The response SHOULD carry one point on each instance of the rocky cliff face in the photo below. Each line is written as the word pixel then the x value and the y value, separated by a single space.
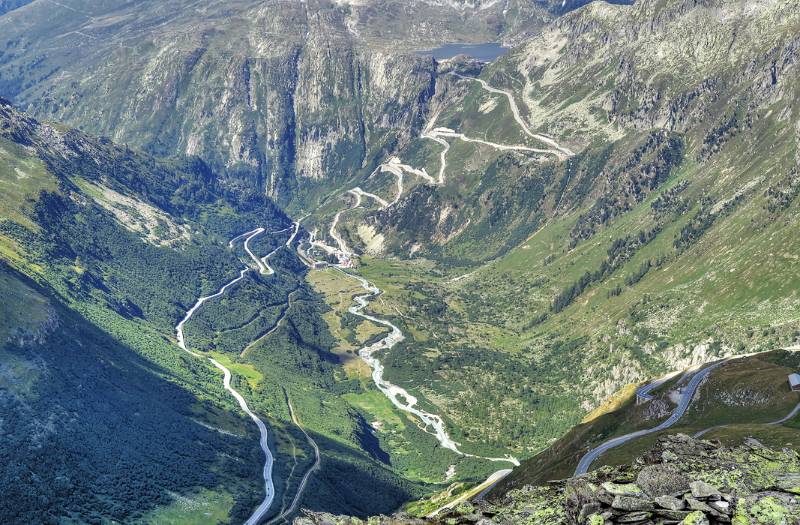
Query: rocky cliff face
pixel 281 95
pixel 274 94
pixel 672 65
pixel 693 76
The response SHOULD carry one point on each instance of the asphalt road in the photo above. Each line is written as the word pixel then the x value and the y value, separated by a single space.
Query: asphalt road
pixel 686 399
pixel 269 487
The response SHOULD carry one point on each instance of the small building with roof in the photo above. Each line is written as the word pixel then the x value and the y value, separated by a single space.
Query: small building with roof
pixel 794 381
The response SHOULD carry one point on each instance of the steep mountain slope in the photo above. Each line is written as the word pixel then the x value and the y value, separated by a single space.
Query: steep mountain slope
pixel 604 77
pixel 741 397
pixel 93 430
pixel 665 240
pixel 99 253
pixel 244 85
pixel 104 251
pixel 613 199
pixel 284 96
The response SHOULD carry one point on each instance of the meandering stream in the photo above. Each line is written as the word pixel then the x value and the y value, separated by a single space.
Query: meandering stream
pixel 399 396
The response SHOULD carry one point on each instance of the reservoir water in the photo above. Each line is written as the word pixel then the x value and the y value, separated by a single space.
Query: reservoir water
pixel 487 52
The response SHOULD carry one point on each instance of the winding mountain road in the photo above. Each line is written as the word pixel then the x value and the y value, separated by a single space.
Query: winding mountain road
pixel 269 460
pixel 447 132
pixel 358 192
pixel 476 493
pixel 295 231
pixel 314 243
pixel 787 417
pixel 643 392
pixel 686 399
pixel 245 235
pixel 784 419
pixel 429 133
pixel 563 152
pixel 342 253
pixel 263 263
pixel 278 322
pixel 400 398
pixel 396 167
pixel 269 486
pixel 335 235
pixel 438 134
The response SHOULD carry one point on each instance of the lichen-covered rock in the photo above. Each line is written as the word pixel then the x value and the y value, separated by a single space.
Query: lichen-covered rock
pixel 672 515
pixel 769 508
pixel 630 503
pixel 701 489
pixel 670 503
pixel 697 483
pixel 788 482
pixel 628 489
pixel 662 480
pixel 633 517
pixel 695 518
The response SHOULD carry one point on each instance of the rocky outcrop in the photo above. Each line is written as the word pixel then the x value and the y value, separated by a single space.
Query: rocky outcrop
pixel 36 335
pixel 681 481
pixel 691 482
pixel 283 95
pixel 672 65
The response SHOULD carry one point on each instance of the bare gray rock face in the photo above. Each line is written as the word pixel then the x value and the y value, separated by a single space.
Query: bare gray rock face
pixel 278 95
pixel 670 503
pixel 701 489
pixel 662 480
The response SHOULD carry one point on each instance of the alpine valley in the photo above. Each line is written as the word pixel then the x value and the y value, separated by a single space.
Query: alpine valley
pixel 340 262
